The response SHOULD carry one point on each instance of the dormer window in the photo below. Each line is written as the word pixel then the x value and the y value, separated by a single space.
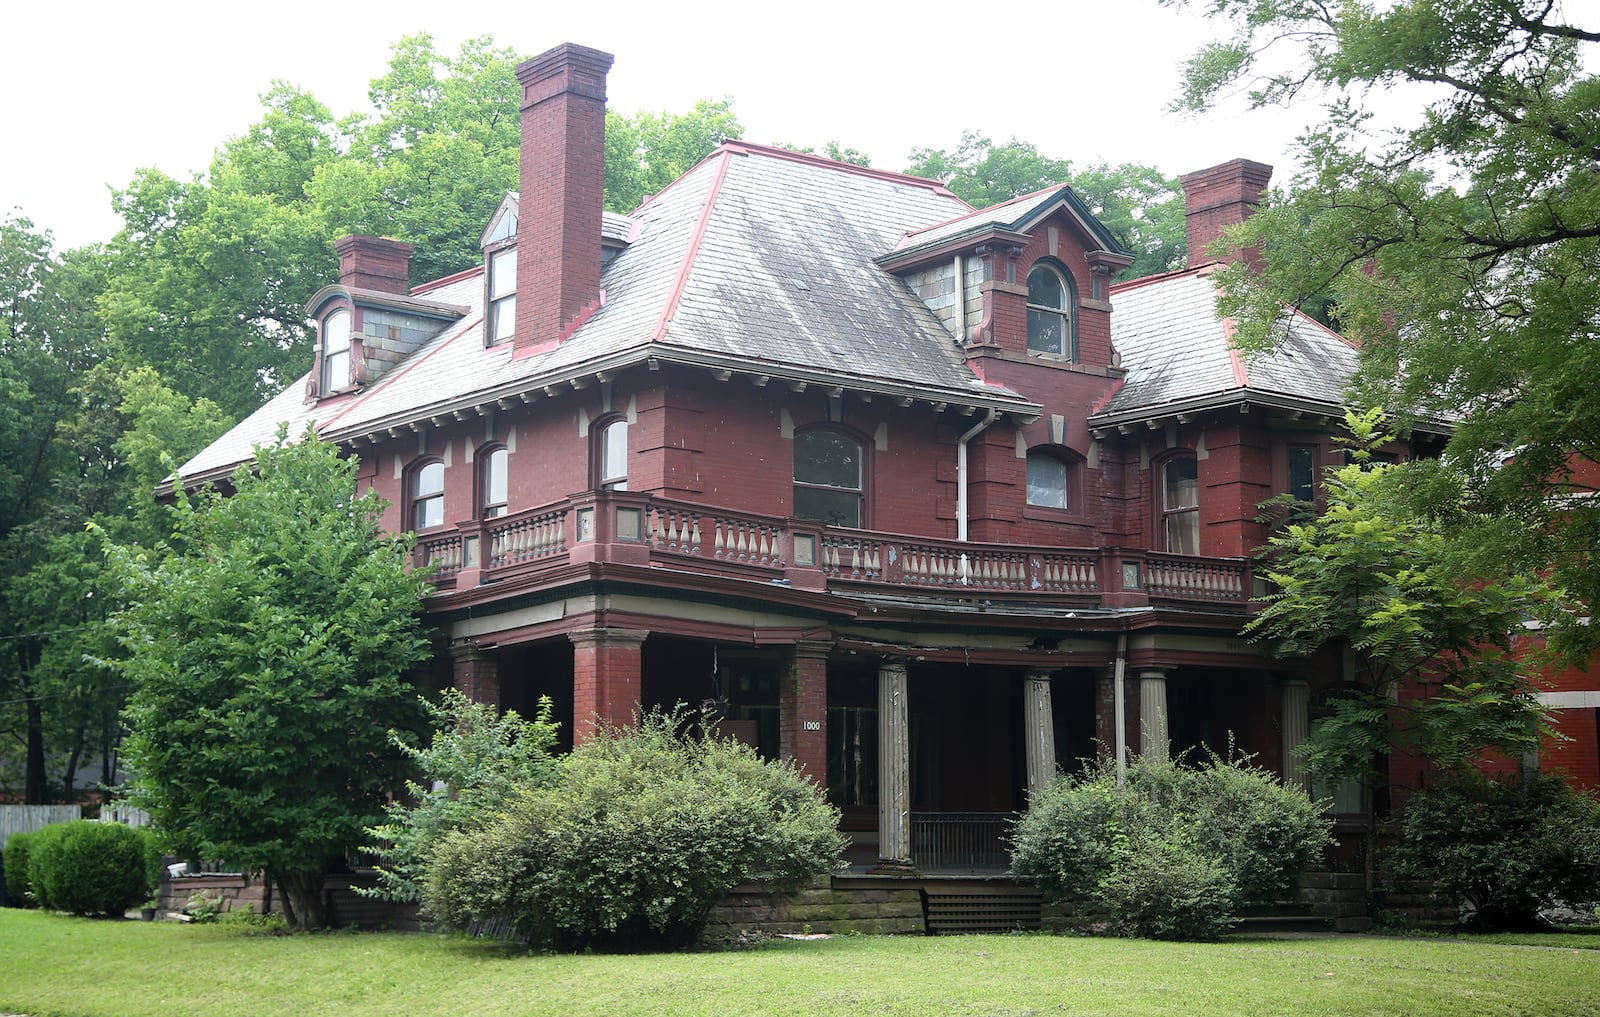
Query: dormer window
pixel 336 351
pixel 1050 313
pixel 502 294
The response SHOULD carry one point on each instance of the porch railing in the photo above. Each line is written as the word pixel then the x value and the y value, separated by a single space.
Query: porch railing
pixel 644 529
pixel 961 840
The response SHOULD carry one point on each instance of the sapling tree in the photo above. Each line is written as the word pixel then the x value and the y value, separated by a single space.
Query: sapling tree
pixel 1435 665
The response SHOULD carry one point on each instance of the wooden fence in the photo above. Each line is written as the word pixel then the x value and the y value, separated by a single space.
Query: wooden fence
pixel 28 818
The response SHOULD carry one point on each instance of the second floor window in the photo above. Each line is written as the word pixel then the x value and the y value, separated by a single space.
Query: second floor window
pixel 336 351
pixel 1180 505
pixel 614 456
pixel 1049 312
pixel 496 480
pixel 1302 473
pixel 827 478
pixel 427 496
pixel 1048 481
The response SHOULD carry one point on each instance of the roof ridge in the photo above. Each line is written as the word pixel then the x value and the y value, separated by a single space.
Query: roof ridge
pixel 811 158
pixel 988 209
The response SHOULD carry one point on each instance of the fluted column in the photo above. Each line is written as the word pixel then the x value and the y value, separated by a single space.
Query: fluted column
pixel 1296 725
pixel 894 766
pixel 1039 729
pixel 1153 735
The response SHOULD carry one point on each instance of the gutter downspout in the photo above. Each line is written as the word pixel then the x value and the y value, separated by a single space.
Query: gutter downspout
pixel 1121 709
pixel 961 483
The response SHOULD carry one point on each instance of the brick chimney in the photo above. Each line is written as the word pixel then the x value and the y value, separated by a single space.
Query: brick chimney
pixel 374 263
pixel 1217 198
pixel 562 188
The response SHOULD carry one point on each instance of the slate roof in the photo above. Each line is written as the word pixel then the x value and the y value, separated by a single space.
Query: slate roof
pixel 1178 354
pixel 758 260
pixel 1015 216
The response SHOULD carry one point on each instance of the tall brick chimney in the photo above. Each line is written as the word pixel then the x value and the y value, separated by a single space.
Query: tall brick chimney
pixel 563 180
pixel 374 263
pixel 1217 198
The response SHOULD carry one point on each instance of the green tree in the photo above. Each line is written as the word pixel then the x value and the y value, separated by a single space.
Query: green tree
pixel 1141 207
pixel 833 150
pixel 271 652
pixel 648 151
pixel 1435 667
pixel 1458 248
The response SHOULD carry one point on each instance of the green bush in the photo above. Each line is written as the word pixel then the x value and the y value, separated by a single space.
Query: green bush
pixel 1175 850
pixel 474 764
pixel 1506 850
pixel 89 868
pixel 16 866
pixel 642 833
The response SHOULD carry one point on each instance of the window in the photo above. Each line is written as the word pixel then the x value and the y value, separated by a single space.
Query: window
pixel 1180 505
pixel 502 294
pixel 1048 481
pixel 1302 473
pixel 336 351
pixel 427 496
pixel 614 456
pixel 496 480
pixel 827 478
pixel 1050 313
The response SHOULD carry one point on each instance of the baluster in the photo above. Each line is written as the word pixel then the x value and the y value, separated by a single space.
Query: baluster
pixel 719 540
pixel 743 546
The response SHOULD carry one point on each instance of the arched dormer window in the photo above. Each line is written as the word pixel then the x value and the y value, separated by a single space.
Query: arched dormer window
pixel 336 351
pixel 425 495
pixel 1053 481
pixel 828 478
pixel 1050 321
pixel 494 481
pixel 611 444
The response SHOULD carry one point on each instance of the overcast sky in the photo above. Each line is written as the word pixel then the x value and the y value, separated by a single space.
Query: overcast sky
pixel 93 91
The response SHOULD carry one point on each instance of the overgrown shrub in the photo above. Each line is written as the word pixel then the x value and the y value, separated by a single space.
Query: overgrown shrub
pixel 1173 852
pixel 16 865
pixel 89 868
pixel 1507 850
pixel 474 765
pixel 643 832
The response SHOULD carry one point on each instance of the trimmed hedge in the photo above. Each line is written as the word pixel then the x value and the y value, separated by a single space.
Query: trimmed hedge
pixel 90 868
pixel 16 865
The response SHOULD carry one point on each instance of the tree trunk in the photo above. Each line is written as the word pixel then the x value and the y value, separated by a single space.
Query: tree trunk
pixel 302 898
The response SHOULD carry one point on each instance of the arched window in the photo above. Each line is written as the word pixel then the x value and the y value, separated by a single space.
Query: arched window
pixel 427 495
pixel 613 446
pixel 827 478
pixel 1180 504
pixel 1050 301
pixel 336 351
pixel 495 480
pixel 1050 481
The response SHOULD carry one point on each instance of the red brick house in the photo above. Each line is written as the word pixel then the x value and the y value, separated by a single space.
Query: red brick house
pixel 910 493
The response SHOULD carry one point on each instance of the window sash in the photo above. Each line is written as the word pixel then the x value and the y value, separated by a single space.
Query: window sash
pixel 1047 481
pixel 496 483
pixel 614 456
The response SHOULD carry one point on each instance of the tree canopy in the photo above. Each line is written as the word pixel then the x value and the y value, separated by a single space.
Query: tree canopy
pixel 1142 208
pixel 271 653
pixel 1460 249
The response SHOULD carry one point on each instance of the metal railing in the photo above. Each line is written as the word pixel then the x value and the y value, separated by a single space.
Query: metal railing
pixel 961 841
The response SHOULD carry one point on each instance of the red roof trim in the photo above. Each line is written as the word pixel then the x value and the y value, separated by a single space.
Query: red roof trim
pixel 455 277
pixel 771 151
pixel 1105 400
pixel 670 308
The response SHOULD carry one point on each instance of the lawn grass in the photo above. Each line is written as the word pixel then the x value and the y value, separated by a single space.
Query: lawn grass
pixel 53 966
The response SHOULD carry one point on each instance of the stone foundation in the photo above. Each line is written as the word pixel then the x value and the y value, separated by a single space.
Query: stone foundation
pixel 835 905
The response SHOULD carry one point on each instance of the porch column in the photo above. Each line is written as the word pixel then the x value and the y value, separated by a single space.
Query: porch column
pixel 1296 725
pixel 605 678
pixel 475 674
pixel 1153 713
pixel 1039 728
pixel 894 767
pixel 803 710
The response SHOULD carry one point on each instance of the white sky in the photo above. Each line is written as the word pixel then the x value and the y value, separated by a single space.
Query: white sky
pixel 93 91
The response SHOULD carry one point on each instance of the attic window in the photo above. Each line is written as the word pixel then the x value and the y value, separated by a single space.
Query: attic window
pixel 1050 313
pixel 336 351
pixel 502 294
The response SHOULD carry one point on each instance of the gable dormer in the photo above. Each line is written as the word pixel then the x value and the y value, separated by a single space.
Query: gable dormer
pixel 369 322
pixel 1028 279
